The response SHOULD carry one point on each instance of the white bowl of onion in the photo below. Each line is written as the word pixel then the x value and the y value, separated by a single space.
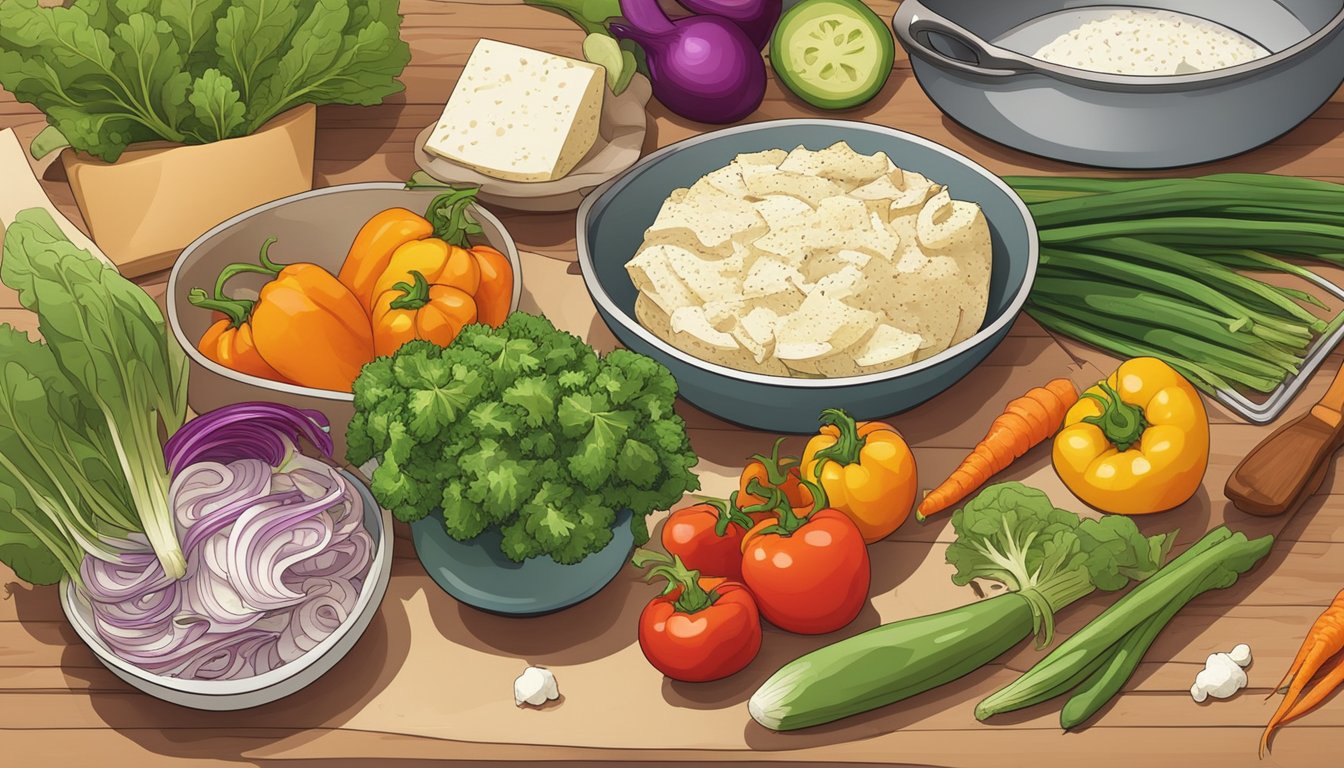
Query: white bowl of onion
pixel 285 571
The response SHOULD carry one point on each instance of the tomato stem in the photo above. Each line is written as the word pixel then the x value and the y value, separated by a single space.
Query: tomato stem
pixel 1120 422
pixel 847 444
pixel 693 597
pixel 777 503
pixel 775 473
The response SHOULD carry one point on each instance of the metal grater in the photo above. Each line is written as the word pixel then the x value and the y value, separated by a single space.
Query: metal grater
pixel 1273 406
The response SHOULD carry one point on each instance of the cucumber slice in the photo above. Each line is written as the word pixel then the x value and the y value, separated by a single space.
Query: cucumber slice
pixel 833 54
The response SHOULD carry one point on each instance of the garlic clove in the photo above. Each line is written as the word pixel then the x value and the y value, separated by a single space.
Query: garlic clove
pixel 1241 654
pixel 536 686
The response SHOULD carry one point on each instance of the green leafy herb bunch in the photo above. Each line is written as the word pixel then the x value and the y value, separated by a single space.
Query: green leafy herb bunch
pixel 524 428
pixel 109 73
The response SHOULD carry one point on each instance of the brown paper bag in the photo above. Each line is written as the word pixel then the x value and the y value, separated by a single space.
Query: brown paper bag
pixel 158 197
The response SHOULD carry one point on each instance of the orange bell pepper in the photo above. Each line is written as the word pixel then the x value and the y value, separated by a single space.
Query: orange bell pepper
pixel 439 262
pixel 495 294
pixel 866 470
pixel 435 313
pixel 396 242
pixel 374 245
pixel 307 324
pixel 228 341
pixel 773 471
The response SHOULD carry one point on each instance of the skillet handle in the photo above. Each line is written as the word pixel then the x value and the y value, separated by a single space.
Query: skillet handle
pixel 918 27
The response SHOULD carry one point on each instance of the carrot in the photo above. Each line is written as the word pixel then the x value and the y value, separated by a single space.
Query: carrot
pixel 1324 643
pixel 1025 423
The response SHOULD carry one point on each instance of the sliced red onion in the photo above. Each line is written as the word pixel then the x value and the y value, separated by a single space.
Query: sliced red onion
pixel 265 431
pixel 276 556
pixel 208 496
pixel 329 603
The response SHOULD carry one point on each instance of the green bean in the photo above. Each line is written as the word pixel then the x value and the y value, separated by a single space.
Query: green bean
pixel 1179 230
pixel 1083 184
pixel 1191 198
pixel 1187 345
pixel 1287 214
pixel 1201 375
pixel 1275 181
pixel 1195 268
pixel 1255 261
pixel 1220 563
pixel 1153 279
pixel 1131 303
pixel 1035 196
pixel 1107 679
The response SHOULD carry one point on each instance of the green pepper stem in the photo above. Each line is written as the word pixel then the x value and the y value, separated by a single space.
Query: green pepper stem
pixel 1121 423
pixel 729 513
pixel 237 310
pixel 413 296
pixel 777 503
pixel 693 597
pixel 774 473
pixel 447 213
pixel 847 445
pixel 266 267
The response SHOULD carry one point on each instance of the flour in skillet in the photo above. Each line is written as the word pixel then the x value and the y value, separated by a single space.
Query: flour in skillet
pixel 1150 42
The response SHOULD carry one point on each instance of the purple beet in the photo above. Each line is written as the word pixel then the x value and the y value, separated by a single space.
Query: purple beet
pixel 756 17
pixel 704 68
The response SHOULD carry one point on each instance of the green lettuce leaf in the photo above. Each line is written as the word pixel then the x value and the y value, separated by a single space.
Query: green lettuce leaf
pixel 111 73
pixel 110 342
pixel 218 108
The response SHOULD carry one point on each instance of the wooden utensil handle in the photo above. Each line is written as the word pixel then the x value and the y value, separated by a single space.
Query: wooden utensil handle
pixel 1284 469
pixel 1332 404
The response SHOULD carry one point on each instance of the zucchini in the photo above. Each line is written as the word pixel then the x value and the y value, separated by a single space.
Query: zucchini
pixel 890 663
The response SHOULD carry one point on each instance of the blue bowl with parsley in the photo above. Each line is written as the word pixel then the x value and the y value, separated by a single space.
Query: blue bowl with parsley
pixel 613 219
pixel 525 463
pixel 478 573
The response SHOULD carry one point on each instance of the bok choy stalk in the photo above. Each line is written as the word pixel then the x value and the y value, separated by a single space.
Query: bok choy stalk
pixel 81 411
pixel 1045 556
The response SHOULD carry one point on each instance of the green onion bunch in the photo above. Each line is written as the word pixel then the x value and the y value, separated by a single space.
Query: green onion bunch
pixel 1167 268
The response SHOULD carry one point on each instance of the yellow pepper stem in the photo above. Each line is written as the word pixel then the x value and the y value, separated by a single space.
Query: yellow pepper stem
pixel 1122 423
pixel 847 444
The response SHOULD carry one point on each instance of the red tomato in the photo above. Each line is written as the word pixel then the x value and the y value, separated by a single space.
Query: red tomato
pixel 811 580
pixel 704 629
pixel 692 533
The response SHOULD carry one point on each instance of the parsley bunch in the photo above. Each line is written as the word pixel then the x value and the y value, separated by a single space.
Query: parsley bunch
pixel 526 429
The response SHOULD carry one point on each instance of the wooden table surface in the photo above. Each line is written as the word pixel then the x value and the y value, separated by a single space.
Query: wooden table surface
pixel 431 680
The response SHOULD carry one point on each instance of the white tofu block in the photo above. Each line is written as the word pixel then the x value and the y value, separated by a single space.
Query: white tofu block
pixel 520 114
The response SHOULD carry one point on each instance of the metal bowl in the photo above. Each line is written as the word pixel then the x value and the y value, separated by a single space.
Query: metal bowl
pixel 224 695
pixel 611 225
pixel 972 58
pixel 317 227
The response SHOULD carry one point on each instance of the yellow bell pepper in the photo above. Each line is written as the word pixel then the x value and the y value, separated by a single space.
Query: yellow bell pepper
pixel 866 469
pixel 1135 443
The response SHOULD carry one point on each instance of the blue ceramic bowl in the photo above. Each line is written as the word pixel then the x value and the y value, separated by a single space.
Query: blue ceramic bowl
pixel 477 573
pixel 611 225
